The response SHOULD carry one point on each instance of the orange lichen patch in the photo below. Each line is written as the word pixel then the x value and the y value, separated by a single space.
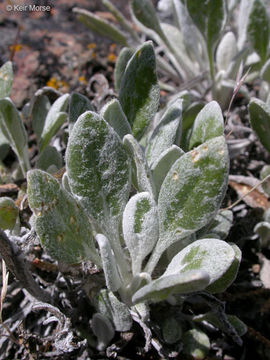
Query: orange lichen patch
pixel 195 155
pixel 111 57
pixel 52 82
pixel 91 46
pixel 15 47
pixel 94 56
pixel 82 80
pixel 56 84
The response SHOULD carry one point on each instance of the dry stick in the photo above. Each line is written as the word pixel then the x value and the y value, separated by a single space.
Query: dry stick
pixel 242 197
pixel 3 295
pixel 15 261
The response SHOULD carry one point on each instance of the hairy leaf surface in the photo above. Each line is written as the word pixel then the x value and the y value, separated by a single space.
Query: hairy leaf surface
pixel 259 113
pixel 139 92
pixel 60 222
pixel 98 168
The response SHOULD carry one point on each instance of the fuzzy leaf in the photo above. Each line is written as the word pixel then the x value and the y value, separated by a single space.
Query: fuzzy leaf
pixel 258 28
pixel 239 326
pixel 265 71
pixel 263 174
pixel 113 113
pixel 49 156
pixel 6 79
pixel 229 276
pixel 242 22
pixel 103 330
pixel 121 63
pixel 263 230
pixel 219 227
pixel 40 110
pixel 60 222
pixel 8 213
pixel 192 37
pixel 225 326
pixel 54 119
pixel 210 17
pixel 259 113
pixel 99 171
pixel 145 13
pixel 13 129
pixel 202 255
pixel 113 281
pixel 78 104
pixel 174 40
pixel 196 344
pixel 161 288
pixel 208 124
pixel 141 177
pixel 115 310
pixel 140 228
pixel 100 26
pixel 139 92
pixel 162 165
pixel 226 51
pixel 138 281
pixel 166 133
pixel 189 116
pixel 191 193
pixel 171 330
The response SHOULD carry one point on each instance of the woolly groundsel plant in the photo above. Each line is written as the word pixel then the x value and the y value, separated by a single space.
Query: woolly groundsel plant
pixel 140 199
pixel 201 44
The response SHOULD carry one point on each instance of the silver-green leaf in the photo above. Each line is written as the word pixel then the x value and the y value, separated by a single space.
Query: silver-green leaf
pixel 139 92
pixel 163 164
pixel 191 193
pixel 141 174
pixel 100 26
pixel 13 129
pixel 208 124
pixel 166 133
pixel 6 79
pixel 140 228
pixel 78 104
pixel 259 114
pixel 123 58
pixel 113 113
pixel 98 169
pixel 258 28
pixel 113 281
pixel 161 288
pixel 60 222
pixel 54 119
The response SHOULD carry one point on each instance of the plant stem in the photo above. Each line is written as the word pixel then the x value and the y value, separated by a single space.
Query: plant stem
pixel 16 263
